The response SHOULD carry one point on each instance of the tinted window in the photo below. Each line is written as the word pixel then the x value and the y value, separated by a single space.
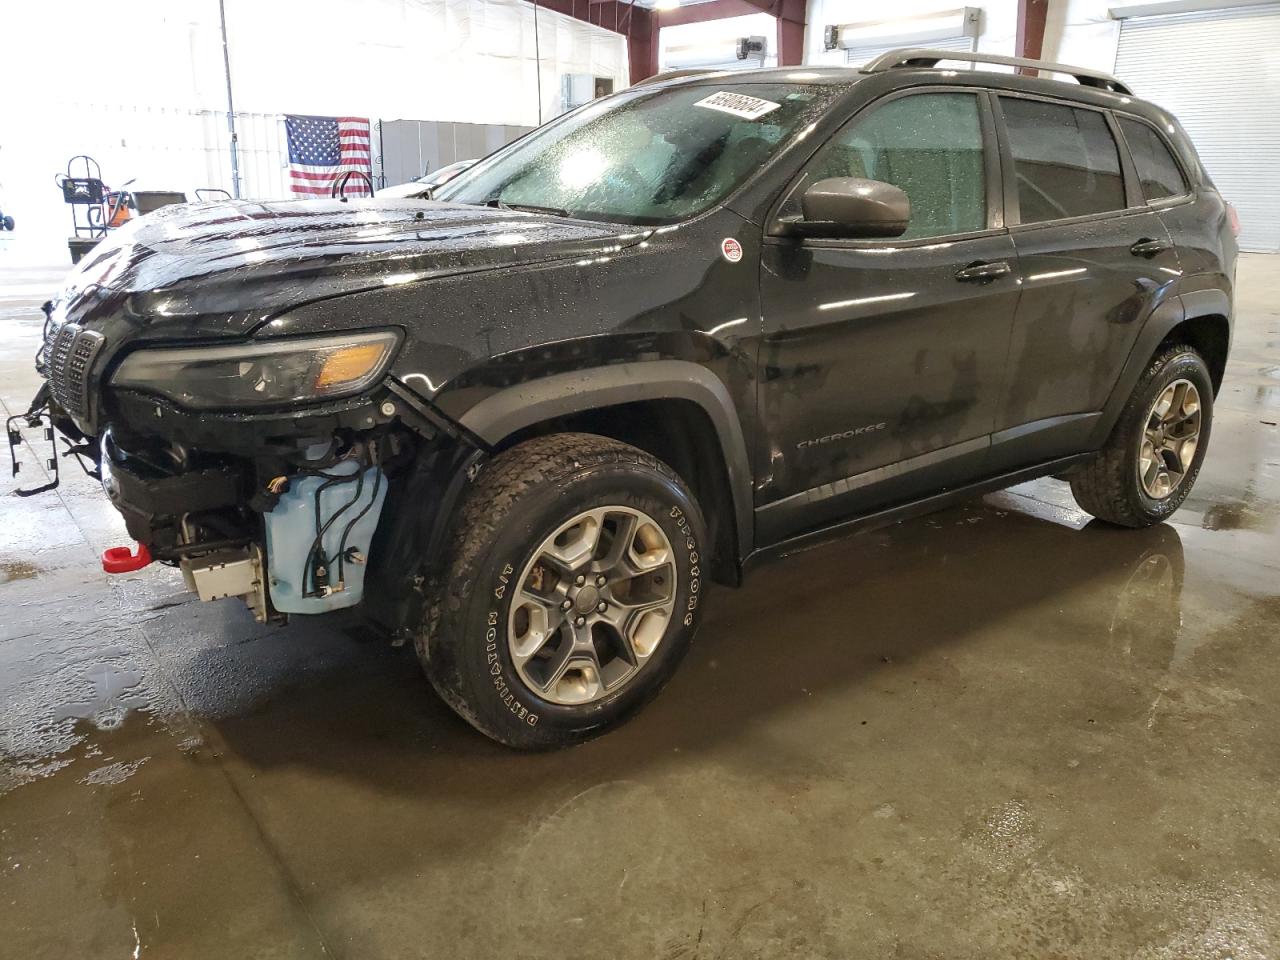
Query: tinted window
pixel 1157 169
pixel 1065 160
pixel 930 145
pixel 648 155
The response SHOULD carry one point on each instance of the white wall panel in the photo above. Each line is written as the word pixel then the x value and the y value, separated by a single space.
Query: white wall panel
pixel 685 38
pixel 997 29
pixel 857 56
pixel 1082 33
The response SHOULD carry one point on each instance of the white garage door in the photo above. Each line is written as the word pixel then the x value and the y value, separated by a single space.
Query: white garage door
pixel 857 56
pixel 1219 73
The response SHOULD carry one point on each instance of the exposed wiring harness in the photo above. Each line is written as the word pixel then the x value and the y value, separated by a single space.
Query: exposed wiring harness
pixel 353 554
pixel 318 564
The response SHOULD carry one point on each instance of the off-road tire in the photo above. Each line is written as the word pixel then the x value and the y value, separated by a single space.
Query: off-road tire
pixel 517 500
pixel 1108 486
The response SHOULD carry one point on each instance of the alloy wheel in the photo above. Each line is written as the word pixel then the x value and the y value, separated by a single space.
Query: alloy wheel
pixel 592 605
pixel 1169 439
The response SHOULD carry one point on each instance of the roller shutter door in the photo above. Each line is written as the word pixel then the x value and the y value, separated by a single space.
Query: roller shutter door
pixel 1218 72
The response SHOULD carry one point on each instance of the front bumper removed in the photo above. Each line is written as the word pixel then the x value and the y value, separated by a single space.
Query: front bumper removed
pixel 204 493
pixel 214 517
pixel 296 542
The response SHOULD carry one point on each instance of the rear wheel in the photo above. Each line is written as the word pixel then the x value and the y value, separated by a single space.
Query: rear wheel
pixel 1154 454
pixel 571 594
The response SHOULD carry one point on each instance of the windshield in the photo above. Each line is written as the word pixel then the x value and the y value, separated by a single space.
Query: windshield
pixel 645 156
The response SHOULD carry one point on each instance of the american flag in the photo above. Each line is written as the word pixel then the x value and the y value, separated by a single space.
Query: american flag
pixel 321 149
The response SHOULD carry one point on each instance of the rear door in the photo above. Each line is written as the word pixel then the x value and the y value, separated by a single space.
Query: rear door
pixel 882 360
pixel 1194 218
pixel 1095 261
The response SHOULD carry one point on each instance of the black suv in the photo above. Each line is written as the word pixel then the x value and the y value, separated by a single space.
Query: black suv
pixel 711 317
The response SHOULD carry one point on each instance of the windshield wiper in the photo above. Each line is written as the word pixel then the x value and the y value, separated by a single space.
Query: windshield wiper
pixel 501 204
pixel 534 208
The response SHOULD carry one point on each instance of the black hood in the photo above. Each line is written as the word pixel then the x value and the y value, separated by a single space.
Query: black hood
pixel 245 261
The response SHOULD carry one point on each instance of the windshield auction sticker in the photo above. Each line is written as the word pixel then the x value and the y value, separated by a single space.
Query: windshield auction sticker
pixel 738 104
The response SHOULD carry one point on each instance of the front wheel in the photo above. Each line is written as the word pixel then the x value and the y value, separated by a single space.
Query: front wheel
pixel 571 594
pixel 1154 454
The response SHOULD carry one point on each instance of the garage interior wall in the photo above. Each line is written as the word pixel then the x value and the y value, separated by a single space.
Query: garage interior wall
pixel 1082 33
pixel 1079 32
pixel 1194 64
pixel 997 27
pixel 150 104
pixel 711 43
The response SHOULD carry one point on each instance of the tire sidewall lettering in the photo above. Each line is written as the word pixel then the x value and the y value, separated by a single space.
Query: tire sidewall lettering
pixel 493 659
pixel 695 567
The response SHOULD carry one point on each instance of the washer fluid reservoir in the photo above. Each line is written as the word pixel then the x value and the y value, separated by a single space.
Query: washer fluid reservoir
pixel 303 581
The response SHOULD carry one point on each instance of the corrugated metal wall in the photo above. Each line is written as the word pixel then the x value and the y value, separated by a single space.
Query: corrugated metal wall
pixel 1218 72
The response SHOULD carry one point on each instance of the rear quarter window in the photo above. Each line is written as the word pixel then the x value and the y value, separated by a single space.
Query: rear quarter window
pixel 1158 171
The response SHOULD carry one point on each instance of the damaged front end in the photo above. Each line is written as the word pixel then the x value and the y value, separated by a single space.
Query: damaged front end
pixel 234 373
pixel 289 532
pixel 263 469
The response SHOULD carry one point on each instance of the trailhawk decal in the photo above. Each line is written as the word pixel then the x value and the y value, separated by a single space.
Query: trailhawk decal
pixel 731 249
pixel 738 104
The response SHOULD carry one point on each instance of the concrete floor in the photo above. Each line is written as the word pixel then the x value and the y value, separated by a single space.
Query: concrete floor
pixel 998 731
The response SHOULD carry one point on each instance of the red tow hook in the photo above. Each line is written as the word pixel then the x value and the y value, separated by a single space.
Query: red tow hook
pixel 124 560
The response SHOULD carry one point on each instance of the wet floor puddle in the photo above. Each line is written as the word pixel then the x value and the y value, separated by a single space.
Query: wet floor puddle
pixel 18 570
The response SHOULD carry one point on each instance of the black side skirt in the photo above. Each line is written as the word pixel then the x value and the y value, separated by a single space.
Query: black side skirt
pixel 915 508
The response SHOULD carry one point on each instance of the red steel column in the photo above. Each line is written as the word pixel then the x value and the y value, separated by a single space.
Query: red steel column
pixel 1030 38
pixel 791 22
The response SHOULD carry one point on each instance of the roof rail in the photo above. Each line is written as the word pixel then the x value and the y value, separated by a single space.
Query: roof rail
pixel 923 57
pixel 674 75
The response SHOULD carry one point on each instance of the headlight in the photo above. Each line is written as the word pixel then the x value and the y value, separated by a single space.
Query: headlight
pixel 267 373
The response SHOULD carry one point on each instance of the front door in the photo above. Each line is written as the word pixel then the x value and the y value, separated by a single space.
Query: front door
pixel 882 360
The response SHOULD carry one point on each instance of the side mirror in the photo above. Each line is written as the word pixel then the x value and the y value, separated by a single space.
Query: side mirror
pixel 853 207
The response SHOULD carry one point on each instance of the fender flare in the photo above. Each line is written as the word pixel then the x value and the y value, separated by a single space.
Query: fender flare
pixel 1213 302
pixel 1170 313
pixel 516 407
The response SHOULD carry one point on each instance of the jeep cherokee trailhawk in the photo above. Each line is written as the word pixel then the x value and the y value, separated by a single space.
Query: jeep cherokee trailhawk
pixel 526 421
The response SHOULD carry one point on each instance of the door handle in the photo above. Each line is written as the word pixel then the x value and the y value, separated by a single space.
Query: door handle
pixel 983 271
pixel 1146 247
